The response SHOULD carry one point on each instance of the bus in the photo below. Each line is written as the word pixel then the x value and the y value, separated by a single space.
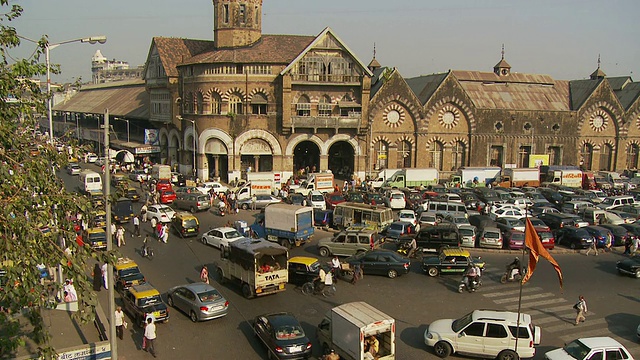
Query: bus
pixel 350 213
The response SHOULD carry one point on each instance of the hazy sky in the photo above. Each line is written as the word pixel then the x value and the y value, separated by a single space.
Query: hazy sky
pixel 561 38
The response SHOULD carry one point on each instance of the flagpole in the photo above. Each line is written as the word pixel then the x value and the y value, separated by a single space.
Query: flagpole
pixel 524 245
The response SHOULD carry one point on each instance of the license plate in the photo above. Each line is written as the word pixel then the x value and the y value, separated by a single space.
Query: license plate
pixel 296 348
pixel 156 314
pixel 135 282
pixel 217 308
pixel 191 230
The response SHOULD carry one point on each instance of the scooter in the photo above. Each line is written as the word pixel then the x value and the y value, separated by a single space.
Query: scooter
pixel 516 276
pixel 222 210
pixel 473 284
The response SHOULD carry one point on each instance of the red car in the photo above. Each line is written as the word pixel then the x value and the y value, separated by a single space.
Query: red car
pixel 164 184
pixel 547 238
pixel 334 199
pixel 514 239
pixel 167 196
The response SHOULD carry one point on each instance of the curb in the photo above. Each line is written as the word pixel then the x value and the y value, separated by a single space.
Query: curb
pixel 556 250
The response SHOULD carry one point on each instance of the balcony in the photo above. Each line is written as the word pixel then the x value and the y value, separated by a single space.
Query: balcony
pixel 326 122
pixel 327 79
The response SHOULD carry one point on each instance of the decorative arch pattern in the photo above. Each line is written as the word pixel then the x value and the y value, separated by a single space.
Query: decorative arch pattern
pixel 461 105
pixel 234 90
pixel 212 133
pixel 212 91
pixel 394 115
pixel 382 104
pixel 175 134
pixel 382 138
pixel 258 134
pixel 608 142
pixel 600 106
pixel 259 90
pixel 433 140
pixel 294 141
pixel 407 138
pixel 187 134
pixel 343 137
pixel 458 139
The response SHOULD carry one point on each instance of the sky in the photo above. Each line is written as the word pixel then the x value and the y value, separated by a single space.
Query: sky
pixel 561 38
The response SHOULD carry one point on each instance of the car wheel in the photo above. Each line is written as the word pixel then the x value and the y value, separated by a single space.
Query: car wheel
pixel 324 252
pixel 392 274
pixel 638 274
pixel 221 278
pixel 204 240
pixel 245 206
pixel 170 301
pixel 508 355
pixel 193 316
pixel 246 291
pixel 442 349
pixel 433 271
pixel 572 246
pixel 193 210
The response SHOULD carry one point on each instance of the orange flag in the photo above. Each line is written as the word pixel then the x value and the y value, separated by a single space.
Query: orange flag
pixel 536 249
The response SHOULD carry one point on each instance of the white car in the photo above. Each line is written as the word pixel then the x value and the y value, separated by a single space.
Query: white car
pixel 518 214
pixel 162 213
pixel 221 237
pixel 92 158
pixel 316 200
pixel 590 348
pixel 409 216
pixel 521 203
pixel 395 200
pixel 206 187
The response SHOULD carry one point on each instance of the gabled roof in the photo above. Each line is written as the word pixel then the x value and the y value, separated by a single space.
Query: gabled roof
pixel 173 51
pixel 317 39
pixel 617 83
pixel 123 98
pixel 378 79
pixel 270 49
pixel 424 86
pixel 628 94
pixel 580 90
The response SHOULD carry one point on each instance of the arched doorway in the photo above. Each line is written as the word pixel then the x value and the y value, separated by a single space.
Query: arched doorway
pixel 306 154
pixel 256 155
pixel 341 160
pixel 217 159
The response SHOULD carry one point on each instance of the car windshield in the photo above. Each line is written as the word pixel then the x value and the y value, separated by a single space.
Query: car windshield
pixel 545 235
pixel 576 349
pixel 289 332
pixel 336 198
pixel 607 201
pixel 461 323
pixel 232 234
pixel 460 220
pixel 428 218
pixel 517 236
pixel 317 198
pixel 190 223
pixel 397 196
pixel 466 232
pixel 208 296
pixel 315 267
pixel 491 234
pixel 355 197
pixel 129 271
pixel 406 216
pixel 155 299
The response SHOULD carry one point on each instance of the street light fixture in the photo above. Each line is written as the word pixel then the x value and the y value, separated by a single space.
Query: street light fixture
pixel 127 120
pixel 47 46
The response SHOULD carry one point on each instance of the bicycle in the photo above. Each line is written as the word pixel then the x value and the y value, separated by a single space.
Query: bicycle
pixel 147 252
pixel 309 288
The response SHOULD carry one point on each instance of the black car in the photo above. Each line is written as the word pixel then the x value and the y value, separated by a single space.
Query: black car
pixel 283 336
pixel 398 229
pixel 630 266
pixel 620 234
pixel 437 237
pixel 557 221
pixel 574 237
pixel 481 221
pixel 354 196
pixel 633 229
pixel 450 261
pixel 373 198
pixel 381 262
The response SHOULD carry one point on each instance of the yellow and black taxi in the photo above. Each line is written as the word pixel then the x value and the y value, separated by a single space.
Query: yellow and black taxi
pixel 122 210
pixel 450 261
pixel 185 224
pixel 97 199
pixel 303 269
pixel 132 194
pixel 144 301
pixel 127 274
pixel 96 237
pixel 119 180
pixel 99 219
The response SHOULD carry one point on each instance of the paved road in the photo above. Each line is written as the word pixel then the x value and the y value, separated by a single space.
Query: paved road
pixel 413 300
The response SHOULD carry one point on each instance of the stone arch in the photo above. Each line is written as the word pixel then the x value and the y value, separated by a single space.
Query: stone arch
pixel 163 132
pixel 408 138
pixel 608 142
pixel 234 90
pixel 455 140
pixel 258 134
pixel 382 138
pixel 301 96
pixel 211 91
pixel 460 104
pixel 601 105
pixel 212 133
pixel 294 141
pixel 433 140
pixel 404 102
pixel 259 90
pixel 187 134
pixel 342 137
pixel 632 142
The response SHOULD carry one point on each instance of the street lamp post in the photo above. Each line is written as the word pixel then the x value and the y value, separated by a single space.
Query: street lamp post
pixel 47 46
pixel 127 120
pixel 195 170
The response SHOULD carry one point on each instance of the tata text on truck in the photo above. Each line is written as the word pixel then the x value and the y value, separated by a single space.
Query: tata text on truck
pixel 288 225
pixel 475 176
pixel 569 176
pixel 258 266
pixel 346 329
pixel 410 178
pixel 323 182
pixel 519 177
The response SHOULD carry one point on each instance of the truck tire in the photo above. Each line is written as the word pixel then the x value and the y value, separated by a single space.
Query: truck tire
pixel 442 349
pixel 286 243
pixel 221 278
pixel 245 206
pixel 324 252
pixel 432 271
pixel 246 291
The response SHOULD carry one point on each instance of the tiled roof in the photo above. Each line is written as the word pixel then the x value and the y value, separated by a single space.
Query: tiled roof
pixel 628 94
pixel 424 86
pixel 580 90
pixel 270 49
pixel 377 80
pixel 125 99
pixel 174 51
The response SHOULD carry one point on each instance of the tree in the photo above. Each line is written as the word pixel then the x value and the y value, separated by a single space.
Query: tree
pixel 35 209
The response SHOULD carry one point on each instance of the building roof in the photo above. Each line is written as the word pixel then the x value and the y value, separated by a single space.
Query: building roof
pixel 123 98
pixel 580 90
pixel 424 86
pixel 270 49
pixel 378 79
pixel 625 89
pixel 173 51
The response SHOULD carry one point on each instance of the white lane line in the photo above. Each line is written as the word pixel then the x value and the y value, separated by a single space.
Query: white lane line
pixel 527 306
pixel 524 298
pixel 601 331
pixel 511 292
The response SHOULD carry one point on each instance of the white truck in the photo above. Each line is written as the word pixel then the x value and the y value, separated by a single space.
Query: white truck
pixel 322 182
pixel 566 177
pixel 91 181
pixel 519 177
pixel 347 328
pixel 257 265
pixel 410 178
pixel 475 176
pixel 382 176
pixel 255 187
pixel 161 172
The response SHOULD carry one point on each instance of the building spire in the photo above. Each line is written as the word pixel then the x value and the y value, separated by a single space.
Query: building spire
pixel 598 59
pixel 374 50
pixel 598 74
pixel 374 64
pixel 502 52
pixel 502 68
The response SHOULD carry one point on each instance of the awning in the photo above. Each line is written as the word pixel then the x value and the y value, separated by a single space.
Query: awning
pixel 123 98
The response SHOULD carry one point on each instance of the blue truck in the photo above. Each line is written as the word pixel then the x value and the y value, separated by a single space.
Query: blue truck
pixel 285 224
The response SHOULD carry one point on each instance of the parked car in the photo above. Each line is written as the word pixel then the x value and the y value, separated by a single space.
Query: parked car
pixel 162 213
pixel 74 169
pixel 590 349
pixel 282 335
pixel 262 201
pixel 354 196
pixel 428 218
pixel 629 266
pixel 409 216
pixel 437 237
pixel 573 237
pixel 334 198
pixel 626 217
pixel 547 238
pixel 200 301
pixel 600 235
pixel 490 237
pixel 514 239
pixel 381 262
pixel 221 237
pixel 399 229
pixel 481 221
pixel 373 198
pixel 468 235
pixel 509 224
pixel 450 261
pixel 539 224
pixel 620 234
pixel 457 220
pixel 347 243
pixel 395 199
pixel 295 199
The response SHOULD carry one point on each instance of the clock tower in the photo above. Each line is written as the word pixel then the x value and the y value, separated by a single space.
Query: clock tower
pixel 236 23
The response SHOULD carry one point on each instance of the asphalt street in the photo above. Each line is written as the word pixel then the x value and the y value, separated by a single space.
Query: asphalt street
pixel 414 300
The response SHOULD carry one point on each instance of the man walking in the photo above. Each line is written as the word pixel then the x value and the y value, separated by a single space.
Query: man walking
pixel 150 336
pixel 119 322
pixel 593 247
pixel 136 226
pixel 581 309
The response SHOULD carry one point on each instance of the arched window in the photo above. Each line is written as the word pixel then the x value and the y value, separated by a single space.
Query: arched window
pixel 303 107
pixel 325 107
pixel 382 158
pixel 555 155
pixel 437 152
pixel 587 156
pixel 404 154
pixel 632 156
pixel 216 103
pixel 188 103
pixel 259 104
pixel 459 155
pixel 235 104
pixel 606 157
pixel 199 103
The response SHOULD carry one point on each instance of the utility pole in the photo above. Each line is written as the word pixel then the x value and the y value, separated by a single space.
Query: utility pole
pixel 107 195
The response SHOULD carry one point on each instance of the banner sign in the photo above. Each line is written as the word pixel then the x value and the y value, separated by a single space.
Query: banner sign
pixel 151 137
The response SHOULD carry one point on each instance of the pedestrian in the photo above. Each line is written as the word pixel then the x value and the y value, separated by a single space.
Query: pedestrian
pixel 253 201
pixel 105 276
pixel 70 290
pixel 120 323
pixel 97 277
pixel 154 223
pixel 357 274
pixel 204 274
pixel 335 267
pixel 581 309
pixel 150 336
pixel 634 245
pixel 114 230
pixel 136 226
pixel 165 234
pixel 593 247
pixel 143 212
pixel 627 246
pixel 120 236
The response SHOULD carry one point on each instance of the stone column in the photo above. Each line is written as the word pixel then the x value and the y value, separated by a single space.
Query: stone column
pixel 256 163
pixel 324 163
pixel 216 162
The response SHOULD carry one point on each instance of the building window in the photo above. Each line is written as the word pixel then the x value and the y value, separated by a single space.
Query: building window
pixel 606 154
pixel 325 108
pixel 243 13
pixel 259 104
pixel 632 156
pixel 349 108
pixel 555 155
pixel 523 156
pixel 216 104
pixel 404 154
pixel 437 153
pixel 496 155
pixel 382 158
pixel 459 155
pixel 303 107
pixel 587 157
pixel 225 13
pixel 235 105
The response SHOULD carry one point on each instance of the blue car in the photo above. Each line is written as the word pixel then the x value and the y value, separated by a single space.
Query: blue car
pixel 600 235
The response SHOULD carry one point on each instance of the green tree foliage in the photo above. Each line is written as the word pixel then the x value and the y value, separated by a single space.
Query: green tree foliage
pixel 35 208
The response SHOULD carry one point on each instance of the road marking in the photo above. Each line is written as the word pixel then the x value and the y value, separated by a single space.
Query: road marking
pixel 568 316
pixel 554 309
pixel 601 331
pixel 535 303
pixel 499 286
pixel 523 298
pixel 569 325
pixel 511 292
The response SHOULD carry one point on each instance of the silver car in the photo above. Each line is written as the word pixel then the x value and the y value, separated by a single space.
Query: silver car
pixel 199 300
pixel 193 202
pixel 468 235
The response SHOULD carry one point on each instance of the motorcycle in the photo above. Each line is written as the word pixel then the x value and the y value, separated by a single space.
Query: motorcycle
pixel 404 248
pixel 222 210
pixel 473 284
pixel 516 275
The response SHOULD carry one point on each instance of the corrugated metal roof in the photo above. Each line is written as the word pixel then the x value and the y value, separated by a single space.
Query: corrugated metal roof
pixel 424 86
pixel 580 90
pixel 130 101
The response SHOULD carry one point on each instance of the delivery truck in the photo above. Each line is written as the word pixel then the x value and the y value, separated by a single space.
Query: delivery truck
pixel 411 178
pixel 349 328
pixel 475 176
pixel 323 182
pixel 382 176
pixel 569 176
pixel 519 177
pixel 161 172
pixel 288 225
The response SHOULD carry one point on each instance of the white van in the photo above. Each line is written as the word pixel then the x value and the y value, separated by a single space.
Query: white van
pixel 91 181
pixel 315 199
pixel 614 201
